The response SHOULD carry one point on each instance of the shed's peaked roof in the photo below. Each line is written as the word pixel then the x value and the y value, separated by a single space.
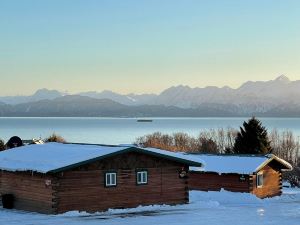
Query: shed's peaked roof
pixel 242 164
pixel 56 157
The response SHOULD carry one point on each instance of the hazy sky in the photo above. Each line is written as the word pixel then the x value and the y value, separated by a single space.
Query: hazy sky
pixel 145 45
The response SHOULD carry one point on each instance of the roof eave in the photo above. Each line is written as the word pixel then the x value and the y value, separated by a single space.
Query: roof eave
pixel 288 166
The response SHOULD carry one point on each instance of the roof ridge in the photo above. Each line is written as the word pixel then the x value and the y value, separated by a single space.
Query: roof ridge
pixel 91 144
pixel 227 155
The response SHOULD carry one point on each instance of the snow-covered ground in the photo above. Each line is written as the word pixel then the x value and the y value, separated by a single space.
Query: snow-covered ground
pixel 211 208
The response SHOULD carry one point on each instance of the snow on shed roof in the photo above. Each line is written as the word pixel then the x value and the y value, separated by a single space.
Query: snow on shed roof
pixel 55 157
pixel 240 164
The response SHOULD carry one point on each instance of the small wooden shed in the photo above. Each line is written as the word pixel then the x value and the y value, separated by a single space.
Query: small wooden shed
pixel 55 178
pixel 259 175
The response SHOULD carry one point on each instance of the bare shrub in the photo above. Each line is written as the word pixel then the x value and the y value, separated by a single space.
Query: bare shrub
pixel 181 142
pixel 208 146
pixel 293 177
pixel 285 145
pixel 156 140
pixel 55 138
pixel 212 141
pixel 219 141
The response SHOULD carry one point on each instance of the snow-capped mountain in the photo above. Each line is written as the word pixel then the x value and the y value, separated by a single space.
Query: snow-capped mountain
pixel 130 99
pixel 259 96
pixel 280 96
pixel 40 94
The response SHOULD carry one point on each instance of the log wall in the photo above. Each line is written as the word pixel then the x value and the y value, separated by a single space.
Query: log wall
pixel 29 190
pixel 83 188
pixel 272 183
pixel 206 181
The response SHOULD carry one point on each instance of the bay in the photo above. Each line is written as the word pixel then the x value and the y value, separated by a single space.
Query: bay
pixel 124 130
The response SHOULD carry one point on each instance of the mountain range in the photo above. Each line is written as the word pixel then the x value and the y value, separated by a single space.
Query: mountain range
pixel 279 97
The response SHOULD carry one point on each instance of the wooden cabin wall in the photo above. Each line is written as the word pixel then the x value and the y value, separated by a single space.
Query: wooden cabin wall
pixel 29 190
pixel 272 183
pixel 83 188
pixel 208 181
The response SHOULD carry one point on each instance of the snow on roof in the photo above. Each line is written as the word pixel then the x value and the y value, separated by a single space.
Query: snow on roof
pixel 46 157
pixel 51 157
pixel 182 155
pixel 235 163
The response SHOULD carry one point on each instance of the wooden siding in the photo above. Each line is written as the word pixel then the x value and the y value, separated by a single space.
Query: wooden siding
pixel 83 188
pixel 206 181
pixel 29 190
pixel 272 183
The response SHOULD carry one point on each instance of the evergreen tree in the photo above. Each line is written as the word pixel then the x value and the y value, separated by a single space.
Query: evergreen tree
pixel 2 145
pixel 252 139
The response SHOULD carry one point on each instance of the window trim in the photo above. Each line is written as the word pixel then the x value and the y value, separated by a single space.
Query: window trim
pixel 105 179
pixel 141 171
pixel 257 179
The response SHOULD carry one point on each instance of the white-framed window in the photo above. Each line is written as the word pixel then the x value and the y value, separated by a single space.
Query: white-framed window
pixel 110 179
pixel 142 177
pixel 259 180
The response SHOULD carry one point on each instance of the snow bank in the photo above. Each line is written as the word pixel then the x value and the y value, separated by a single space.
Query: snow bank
pixel 198 200
pixel 224 197
pixel 211 208
pixel 136 210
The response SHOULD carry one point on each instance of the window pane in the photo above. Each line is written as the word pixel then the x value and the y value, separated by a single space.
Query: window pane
pixel 144 177
pixel 108 179
pixel 141 177
pixel 113 178
pixel 259 179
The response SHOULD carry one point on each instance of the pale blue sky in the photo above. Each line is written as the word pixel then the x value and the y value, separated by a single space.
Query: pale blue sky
pixel 145 46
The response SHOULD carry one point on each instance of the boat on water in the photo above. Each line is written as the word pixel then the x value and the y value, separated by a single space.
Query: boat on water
pixel 144 120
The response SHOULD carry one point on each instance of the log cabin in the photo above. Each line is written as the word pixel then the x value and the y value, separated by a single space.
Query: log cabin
pixel 55 178
pixel 259 175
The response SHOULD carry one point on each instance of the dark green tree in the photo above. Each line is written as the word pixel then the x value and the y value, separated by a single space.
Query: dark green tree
pixel 252 139
pixel 2 145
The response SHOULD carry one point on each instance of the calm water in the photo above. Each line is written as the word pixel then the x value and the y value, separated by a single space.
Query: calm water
pixel 124 130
